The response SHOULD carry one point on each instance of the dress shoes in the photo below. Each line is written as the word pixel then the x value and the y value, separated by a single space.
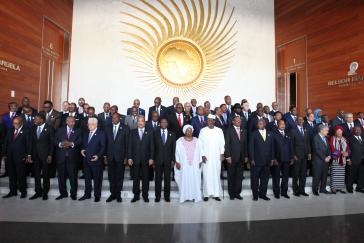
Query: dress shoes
pixel 135 199
pixel 35 196
pixel 61 197
pixel 74 197
pixel 239 197
pixel 265 198
pixel 45 197
pixel 97 199
pixel 110 198
pixel 255 198
pixel 119 200
pixel 9 195
pixel 146 199
pixel 23 195
pixel 285 196
pixel 167 199
pixel 304 194
pixel 316 194
pixel 217 199
pixel 205 199
pixel 157 199
pixel 83 198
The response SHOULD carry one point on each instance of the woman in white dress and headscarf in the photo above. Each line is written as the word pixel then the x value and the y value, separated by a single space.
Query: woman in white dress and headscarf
pixel 187 168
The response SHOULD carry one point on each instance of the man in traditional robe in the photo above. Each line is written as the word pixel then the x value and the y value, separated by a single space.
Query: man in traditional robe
pixel 212 148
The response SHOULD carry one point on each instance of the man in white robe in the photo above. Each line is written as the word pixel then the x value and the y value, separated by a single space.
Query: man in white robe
pixel 187 170
pixel 212 147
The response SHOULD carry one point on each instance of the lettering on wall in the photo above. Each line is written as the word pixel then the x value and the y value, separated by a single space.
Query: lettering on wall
pixel 353 78
pixel 6 65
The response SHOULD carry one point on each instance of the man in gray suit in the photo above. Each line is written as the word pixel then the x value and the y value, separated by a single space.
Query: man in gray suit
pixel 321 157
pixel 132 119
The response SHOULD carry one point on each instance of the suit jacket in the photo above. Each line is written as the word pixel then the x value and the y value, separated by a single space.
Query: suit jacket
pixel 84 124
pixel 253 123
pixel 220 123
pixel 358 124
pixel 42 147
pixel 262 152
pixel 347 132
pixel 140 112
pixel 7 121
pixel 104 123
pixel 20 110
pixel 131 122
pixel 174 126
pixel 117 148
pixel 272 126
pixel 311 130
pixel 320 149
pixel 164 153
pixel 54 119
pixel 236 148
pixel 283 146
pixel 78 119
pixel 96 146
pixel 28 121
pixel 336 121
pixel 150 126
pixel 140 151
pixel 19 148
pixel 197 126
pixel 290 123
pixel 163 111
pixel 72 152
pixel 357 150
pixel 171 109
pixel 301 143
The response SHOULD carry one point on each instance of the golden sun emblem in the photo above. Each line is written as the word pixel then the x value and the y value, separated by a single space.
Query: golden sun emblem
pixel 184 47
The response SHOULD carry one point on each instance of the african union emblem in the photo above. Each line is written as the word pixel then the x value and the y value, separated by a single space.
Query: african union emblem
pixel 182 46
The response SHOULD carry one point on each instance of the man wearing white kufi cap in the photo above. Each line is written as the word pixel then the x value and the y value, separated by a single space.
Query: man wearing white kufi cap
pixel 212 147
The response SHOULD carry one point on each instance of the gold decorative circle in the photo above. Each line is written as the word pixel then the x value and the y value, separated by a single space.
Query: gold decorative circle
pixel 180 62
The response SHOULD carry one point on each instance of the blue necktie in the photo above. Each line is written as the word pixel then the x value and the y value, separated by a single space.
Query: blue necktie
pixel 302 131
pixel 89 137
pixel 163 137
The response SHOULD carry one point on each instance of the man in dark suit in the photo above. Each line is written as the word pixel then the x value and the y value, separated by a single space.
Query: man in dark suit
pixel 28 117
pixel 272 126
pixel 283 159
pixel 224 116
pixel 158 107
pixel 84 121
pixel 67 141
pixel 25 102
pixel 290 117
pixel 339 119
pixel 64 112
pixel 105 116
pixel 140 157
pixel 164 156
pixel 198 122
pixel 359 121
pixel 71 112
pixel 355 171
pixel 321 157
pixel 348 125
pixel 219 121
pixel 17 151
pixel 301 153
pixel 153 122
pixel 53 117
pixel 275 108
pixel 245 114
pixel 177 120
pixel 116 155
pixel 236 155
pixel 253 123
pixel 93 149
pixel 136 104
pixel 7 118
pixel 42 138
pixel 261 154
pixel 172 109
pixel 310 125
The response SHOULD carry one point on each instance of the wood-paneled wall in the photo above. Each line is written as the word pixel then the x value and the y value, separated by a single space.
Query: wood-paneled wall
pixel 334 30
pixel 21 23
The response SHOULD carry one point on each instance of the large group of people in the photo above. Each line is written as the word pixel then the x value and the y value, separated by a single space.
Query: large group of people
pixel 189 143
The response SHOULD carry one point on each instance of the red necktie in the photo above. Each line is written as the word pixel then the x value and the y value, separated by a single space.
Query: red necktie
pixel 179 120
pixel 15 134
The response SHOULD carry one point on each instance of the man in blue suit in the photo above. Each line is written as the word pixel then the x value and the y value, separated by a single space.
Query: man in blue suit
pixel 283 149
pixel 158 107
pixel 136 104
pixel 7 118
pixel 261 154
pixel 67 142
pixel 198 122
pixel 93 149
pixel 290 118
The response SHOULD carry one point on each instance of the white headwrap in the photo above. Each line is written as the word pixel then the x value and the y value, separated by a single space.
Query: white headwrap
pixel 210 116
pixel 184 129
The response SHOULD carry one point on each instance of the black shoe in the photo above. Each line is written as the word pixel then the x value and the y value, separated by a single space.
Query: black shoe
pixel 232 198
pixel 110 198
pixel 325 192
pixel 265 198
pixel 83 198
pixel 61 197
pixel 97 199
pixel 296 194
pixel 23 195
pixel 10 195
pixel 135 199
pixel 45 197
pixel 342 192
pixel 255 198
pixel 316 194
pixel 74 197
pixel 119 200
pixel 157 199
pixel 146 199
pixel 217 199
pixel 277 196
pixel 286 196
pixel 205 199
pixel 167 199
pixel 359 190
pixel 304 194
pixel 350 190
pixel 35 196
pixel 239 197
pixel 4 175
pixel 82 177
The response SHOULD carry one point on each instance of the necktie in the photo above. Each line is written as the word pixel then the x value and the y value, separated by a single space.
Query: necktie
pixel 179 120
pixel 238 132
pixel 282 132
pixel 69 133
pixel 302 131
pixel 164 136
pixel 246 115
pixel 12 115
pixel 201 122
pixel 323 139
pixel 39 131
pixel 15 134
pixel 115 131
pixel 154 125
pixel 350 126
pixel 264 135
pixel 89 137
pixel 141 134
pixel 359 138
pixel 158 111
